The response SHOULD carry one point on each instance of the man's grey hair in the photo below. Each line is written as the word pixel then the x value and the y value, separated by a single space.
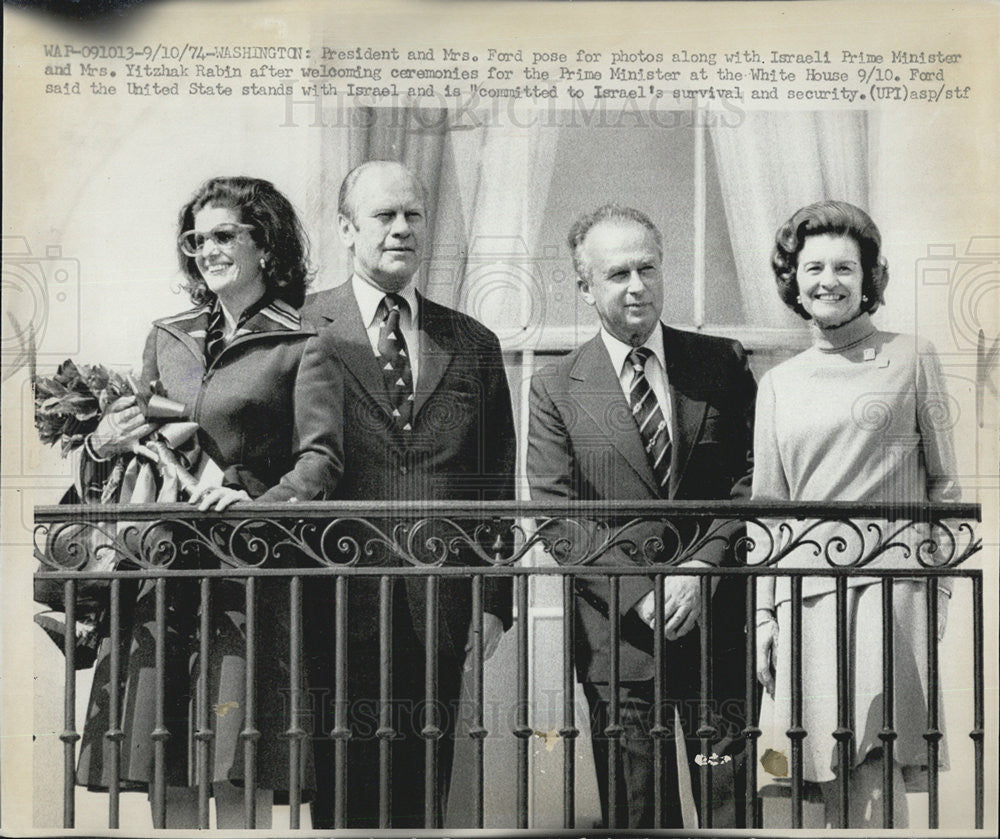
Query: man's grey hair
pixel 345 200
pixel 607 212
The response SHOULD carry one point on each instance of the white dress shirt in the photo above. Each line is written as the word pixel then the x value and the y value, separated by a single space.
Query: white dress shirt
pixel 656 369
pixel 369 297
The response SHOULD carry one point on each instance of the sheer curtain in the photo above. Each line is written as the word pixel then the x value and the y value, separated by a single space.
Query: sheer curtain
pixel 494 186
pixel 772 163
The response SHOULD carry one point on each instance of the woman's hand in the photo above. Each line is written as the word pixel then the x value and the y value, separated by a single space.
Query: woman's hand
pixel 120 430
pixel 767 653
pixel 944 597
pixel 492 633
pixel 218 498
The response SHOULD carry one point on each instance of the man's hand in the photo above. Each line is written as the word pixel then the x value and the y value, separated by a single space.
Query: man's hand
pixel 681 603
pixel 121 429
pixel 492 633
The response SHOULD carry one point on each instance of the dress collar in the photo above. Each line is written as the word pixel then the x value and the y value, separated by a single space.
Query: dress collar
pixel 845 336
pixel 275 316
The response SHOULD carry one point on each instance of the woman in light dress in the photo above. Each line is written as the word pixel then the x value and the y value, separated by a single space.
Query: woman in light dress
pixel 862 415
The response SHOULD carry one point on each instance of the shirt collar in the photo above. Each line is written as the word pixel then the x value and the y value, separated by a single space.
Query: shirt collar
pixel 369 297
pixel 618 350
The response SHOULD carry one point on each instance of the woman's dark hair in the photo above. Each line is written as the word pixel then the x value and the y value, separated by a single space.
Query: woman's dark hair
pixel 276 230
pixel 837 218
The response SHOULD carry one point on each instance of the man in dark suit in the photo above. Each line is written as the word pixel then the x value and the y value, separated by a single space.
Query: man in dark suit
pixel 644 412
pixel 428 416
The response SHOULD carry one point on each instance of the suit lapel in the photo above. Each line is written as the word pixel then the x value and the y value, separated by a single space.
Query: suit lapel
pixel 436 350
pixel 339 308
pixel 688 410
pixel 595 387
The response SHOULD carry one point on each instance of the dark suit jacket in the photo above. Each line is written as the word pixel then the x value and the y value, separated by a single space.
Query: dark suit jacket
pixel 263 407
pixel 583 444
pixel 461 447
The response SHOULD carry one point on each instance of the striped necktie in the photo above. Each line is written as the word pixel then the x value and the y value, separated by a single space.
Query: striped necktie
pixel 215 334
pixel 393 357
pixel 649 418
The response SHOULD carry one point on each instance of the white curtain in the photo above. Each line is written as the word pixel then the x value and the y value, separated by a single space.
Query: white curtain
pixel 494 186
pixel 328 257
pixel 772 163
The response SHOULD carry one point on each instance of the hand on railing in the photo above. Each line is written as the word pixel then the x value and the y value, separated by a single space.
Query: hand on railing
pixel 218 498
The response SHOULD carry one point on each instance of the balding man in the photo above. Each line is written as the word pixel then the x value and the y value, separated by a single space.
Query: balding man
pixel 428 416
pixel 645 412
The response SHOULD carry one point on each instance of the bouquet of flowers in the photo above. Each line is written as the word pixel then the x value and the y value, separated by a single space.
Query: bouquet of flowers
pixel 68 407
pixel 70 404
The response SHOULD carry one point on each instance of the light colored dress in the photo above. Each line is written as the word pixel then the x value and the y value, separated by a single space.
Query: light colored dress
pixel 862 415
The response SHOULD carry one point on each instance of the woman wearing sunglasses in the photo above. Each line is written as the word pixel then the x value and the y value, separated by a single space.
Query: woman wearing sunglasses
pixel 262 387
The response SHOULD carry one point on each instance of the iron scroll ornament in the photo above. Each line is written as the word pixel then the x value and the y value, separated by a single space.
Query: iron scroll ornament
pixel 270 540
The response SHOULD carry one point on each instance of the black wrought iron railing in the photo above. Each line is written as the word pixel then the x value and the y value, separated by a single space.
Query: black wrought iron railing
pixel 351 540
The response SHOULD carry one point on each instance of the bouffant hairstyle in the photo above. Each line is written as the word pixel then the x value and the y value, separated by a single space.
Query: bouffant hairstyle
pixel 276 230
pixel 837 218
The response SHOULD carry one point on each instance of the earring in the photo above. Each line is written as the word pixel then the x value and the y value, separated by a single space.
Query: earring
pixel 864 298
pixel 798 299
pixel 263 262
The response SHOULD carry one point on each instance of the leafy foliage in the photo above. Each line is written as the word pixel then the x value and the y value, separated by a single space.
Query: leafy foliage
pixel 70 404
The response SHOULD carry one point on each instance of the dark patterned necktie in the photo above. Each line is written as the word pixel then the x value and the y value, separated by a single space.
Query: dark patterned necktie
pixel 648 416
pixel 394 358
pixel 215 334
